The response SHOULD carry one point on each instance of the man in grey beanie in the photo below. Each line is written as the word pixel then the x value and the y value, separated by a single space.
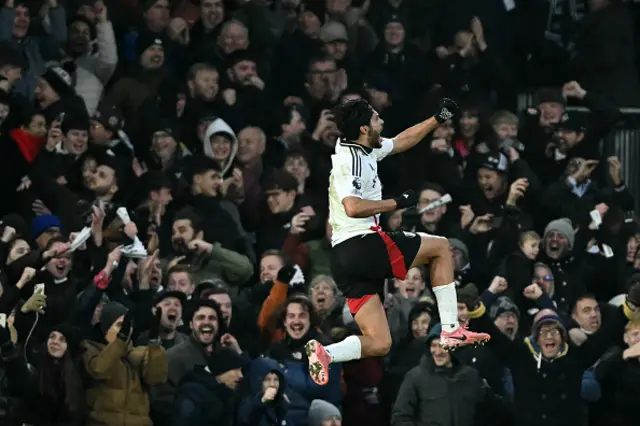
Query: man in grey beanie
pixel 506 316
pixel 568 271
pixel 323 413
pixel 559 237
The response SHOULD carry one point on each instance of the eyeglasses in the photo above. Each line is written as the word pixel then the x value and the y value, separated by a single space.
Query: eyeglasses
pixel 554 332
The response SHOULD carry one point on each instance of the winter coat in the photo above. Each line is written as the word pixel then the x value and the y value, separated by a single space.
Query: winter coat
pixel 253 412
pixel 547 391
pixel 120 376
pixel 302 390
pixel 202 401
pixel 620 381
pixel 430 395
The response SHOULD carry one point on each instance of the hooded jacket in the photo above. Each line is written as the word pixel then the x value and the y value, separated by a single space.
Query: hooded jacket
pixel 219 126
pixel 253 412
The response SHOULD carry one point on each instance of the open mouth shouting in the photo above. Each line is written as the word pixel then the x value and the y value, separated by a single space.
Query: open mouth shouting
pixel 60 268
pixel 510 331
pixel 411 291
pixel 172 316
pixel 206 334
pixel 296 330
pixel 321 301
pixel 488 191
pixel 78 147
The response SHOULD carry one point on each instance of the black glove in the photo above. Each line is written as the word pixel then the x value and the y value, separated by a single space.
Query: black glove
pixel 285 274
pixel 446 111
pixel 154 328
pixel 406 199
pixel 127 324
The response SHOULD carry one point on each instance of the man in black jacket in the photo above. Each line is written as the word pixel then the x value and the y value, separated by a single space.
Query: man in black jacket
pixel 440 377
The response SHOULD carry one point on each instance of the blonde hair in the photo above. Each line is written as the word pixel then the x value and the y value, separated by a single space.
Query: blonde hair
pixel 503 117
pixel 634 323
pixel 527 236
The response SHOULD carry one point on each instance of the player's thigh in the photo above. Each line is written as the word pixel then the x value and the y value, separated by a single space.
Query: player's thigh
pixel 430 246
pixel 372 319
pixel 360 259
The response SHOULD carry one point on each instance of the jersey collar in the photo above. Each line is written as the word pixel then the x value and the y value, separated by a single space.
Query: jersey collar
pixel 367 150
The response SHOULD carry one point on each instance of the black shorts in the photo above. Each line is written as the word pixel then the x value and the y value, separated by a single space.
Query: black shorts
pixel 360 265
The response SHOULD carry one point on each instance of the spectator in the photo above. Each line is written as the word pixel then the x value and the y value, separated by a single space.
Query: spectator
pixel 322 413
pixel 298 320
pixel 17 21
pixel 437 368
pixel 616 372
pixel 171 160
pixel 267 403
pixel 55 387
pixel 120 374
pixel 204 393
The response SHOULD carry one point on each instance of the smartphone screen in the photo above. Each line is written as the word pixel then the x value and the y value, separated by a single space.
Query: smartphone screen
pixel 39 288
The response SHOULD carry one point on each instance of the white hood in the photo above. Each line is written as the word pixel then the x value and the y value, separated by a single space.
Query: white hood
pixel 220 126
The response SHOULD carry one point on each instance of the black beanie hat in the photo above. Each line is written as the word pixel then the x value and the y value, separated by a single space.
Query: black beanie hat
pixel 223 360
pixel 18 223
pixel 75 122
pixel 110 314
pixel 60 80
pixel 145 41
pixel 72 334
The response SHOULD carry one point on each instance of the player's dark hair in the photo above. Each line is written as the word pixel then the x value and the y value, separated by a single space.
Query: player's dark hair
pixel 350 116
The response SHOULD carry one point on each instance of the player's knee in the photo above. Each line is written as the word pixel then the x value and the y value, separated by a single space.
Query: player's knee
pixel 437 246
pixel 444 248
pixel 382 345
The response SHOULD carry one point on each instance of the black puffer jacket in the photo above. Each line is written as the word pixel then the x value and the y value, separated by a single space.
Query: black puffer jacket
pixel 620 381
pixel 12 408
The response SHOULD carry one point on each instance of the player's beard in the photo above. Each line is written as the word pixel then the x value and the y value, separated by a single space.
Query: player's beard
pixel 374 139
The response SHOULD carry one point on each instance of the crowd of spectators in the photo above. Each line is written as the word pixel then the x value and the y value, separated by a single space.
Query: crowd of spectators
pixel 164 246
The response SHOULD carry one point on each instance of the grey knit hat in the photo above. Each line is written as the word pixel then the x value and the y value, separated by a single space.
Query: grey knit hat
pixel 110 314
pixel 564 227
pixel 461 246
pixel 321 410
pixel 501 305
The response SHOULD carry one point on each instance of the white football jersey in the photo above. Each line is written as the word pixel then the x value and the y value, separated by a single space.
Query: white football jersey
pixel 354 174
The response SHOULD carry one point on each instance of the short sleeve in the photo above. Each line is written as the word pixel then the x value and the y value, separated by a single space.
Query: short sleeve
pixel 346 178
pixel 384 150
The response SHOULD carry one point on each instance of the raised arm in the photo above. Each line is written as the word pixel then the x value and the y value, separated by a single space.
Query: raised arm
pixel 410 137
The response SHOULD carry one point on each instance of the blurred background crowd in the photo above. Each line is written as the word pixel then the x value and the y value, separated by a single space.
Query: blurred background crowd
pixel 164 247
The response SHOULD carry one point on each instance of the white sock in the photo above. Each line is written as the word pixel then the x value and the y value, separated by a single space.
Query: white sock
pixel 347 350
pixel 447 306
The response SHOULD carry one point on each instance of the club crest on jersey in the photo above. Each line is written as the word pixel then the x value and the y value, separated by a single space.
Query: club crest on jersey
pixel 357 183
